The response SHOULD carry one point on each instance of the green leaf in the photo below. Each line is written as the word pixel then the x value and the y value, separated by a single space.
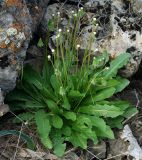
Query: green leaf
pixel 43 128
pixel 101 60
pixel 110 83
pixel 101 95
pixel 59 149
pixel 108 133
pixel 115 122
pixel 52 106
pixel 66 131
pixel 23 117
pixel 70 115
pixel 57 122
pixel 47 71
pixel 55 83
pixel 35 79
pixel 82 122
pixel 123 105
pixel 78 140
pixel 98 122
pixel 66 103
pixel 48 94
pixel 130 112
pixel 40 43
pixel 116 64
pixel 34 105
pixel 18 95
pixel 123 83
pixel 22 136
pixel 104 94
pixel 101 110
pixel 73 94
pixel 50 25
pixel 59 146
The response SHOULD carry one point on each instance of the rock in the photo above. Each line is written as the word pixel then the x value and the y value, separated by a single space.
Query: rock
pixel 15 34
pixel 62 13
pixel 3 107
pixel 137 6
pixel 18 19
pixel 125 145
pixel 37 9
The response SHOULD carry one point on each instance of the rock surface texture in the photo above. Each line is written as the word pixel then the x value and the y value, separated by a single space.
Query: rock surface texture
pixel 15 34
pixel 18 19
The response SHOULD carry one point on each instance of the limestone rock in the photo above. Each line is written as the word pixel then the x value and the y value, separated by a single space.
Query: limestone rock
pixel 122 32
pixel 15 34
pixel 18 19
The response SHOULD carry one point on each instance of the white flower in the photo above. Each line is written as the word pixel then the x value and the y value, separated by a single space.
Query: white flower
pixel 81 8
pixel 26 123
pixel 94 33
pixel 96 50
pixel 52 50
pixel 97 24
pixel 94 19
pixel 60 30
pixel 94 58
pixel 58 35
pixel 58 13
pixel 72 11
pixel 75 15
pixel 53 15
pixel 68 30
pixel 49 57
pixel 78 46
pixel 107 68
pixel 11 31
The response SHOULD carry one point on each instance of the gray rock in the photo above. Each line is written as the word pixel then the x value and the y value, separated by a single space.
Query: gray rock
pixel 3 107
pixel 15 34
pixel 137 6
pixel 18 19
